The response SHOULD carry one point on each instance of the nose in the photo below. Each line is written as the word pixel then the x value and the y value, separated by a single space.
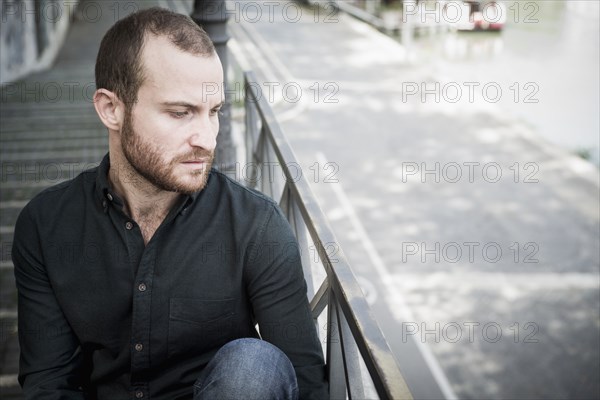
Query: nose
pixel 204 133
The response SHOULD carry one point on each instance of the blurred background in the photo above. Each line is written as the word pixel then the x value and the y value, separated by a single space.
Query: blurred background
pixel 453 146
pixel 516 42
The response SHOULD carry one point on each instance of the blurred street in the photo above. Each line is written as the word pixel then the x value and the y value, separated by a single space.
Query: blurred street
pixel 470 222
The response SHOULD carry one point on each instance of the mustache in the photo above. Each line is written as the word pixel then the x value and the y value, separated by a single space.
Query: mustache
pixel 196 154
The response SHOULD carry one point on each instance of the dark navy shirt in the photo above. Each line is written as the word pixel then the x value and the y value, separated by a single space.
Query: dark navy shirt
pixel 101 315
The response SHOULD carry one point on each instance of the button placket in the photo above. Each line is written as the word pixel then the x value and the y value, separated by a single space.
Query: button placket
pixel 142 288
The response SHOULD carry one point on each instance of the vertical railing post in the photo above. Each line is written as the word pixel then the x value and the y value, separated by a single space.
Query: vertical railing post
pixel 212 16
pixel 351 356
pixel 407 31
pixel 252 124
pixel 335 361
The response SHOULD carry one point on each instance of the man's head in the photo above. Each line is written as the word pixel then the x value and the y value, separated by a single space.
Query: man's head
pixel 159 87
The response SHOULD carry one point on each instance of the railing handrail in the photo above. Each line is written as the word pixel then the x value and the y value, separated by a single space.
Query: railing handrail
pixel 374 349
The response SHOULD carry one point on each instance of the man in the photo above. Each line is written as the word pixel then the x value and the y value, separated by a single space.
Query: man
pixel 146 276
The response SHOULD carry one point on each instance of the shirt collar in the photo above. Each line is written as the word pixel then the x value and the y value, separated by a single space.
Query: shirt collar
pixel 103 193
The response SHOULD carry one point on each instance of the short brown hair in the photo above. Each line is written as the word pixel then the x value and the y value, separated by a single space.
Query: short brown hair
pixel 118 65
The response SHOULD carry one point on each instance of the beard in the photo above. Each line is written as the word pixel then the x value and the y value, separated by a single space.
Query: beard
pixel 146 160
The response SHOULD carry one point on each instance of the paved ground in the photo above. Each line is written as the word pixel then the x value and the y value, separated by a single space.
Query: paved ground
pixel 463 259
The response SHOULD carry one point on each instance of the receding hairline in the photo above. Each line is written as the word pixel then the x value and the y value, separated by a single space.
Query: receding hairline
pixel 148 36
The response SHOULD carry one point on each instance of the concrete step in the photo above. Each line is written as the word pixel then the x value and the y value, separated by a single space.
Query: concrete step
pixel 9 387
pixel 58 132
pixel 18 126
pixel 54 144
pixel 8 292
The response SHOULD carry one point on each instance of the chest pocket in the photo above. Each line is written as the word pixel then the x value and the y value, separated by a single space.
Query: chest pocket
pixel 197 325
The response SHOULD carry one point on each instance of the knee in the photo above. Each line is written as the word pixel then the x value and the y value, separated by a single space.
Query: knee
pixel 253 357
pixel 251 349
pixel 250 367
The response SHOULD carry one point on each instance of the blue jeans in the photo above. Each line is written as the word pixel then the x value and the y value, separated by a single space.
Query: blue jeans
pixel 249 369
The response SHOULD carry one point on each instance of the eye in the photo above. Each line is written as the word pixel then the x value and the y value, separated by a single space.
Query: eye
pixel 178 114
pixel 216 111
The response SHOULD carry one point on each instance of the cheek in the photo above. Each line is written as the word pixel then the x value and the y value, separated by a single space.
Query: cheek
pixel 154 128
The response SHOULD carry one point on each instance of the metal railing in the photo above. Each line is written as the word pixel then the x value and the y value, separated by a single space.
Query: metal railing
pixel 360 362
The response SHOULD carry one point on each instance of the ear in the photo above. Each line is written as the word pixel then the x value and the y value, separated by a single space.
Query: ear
pixel 109 108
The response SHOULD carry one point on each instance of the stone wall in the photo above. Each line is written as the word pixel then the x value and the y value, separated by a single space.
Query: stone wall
pixel 31 34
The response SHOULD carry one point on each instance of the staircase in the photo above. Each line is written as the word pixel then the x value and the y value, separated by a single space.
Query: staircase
pixel 49 132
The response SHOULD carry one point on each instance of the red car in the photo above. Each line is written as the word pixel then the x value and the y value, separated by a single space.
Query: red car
pixel 481 15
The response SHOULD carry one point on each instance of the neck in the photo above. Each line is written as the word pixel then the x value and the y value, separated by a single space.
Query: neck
pixel 143 202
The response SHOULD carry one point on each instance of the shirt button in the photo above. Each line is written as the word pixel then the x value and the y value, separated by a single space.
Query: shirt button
pixel 142 287
pixel 139 394
pixel 128 225
pixel 109 197
pixel 139 347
